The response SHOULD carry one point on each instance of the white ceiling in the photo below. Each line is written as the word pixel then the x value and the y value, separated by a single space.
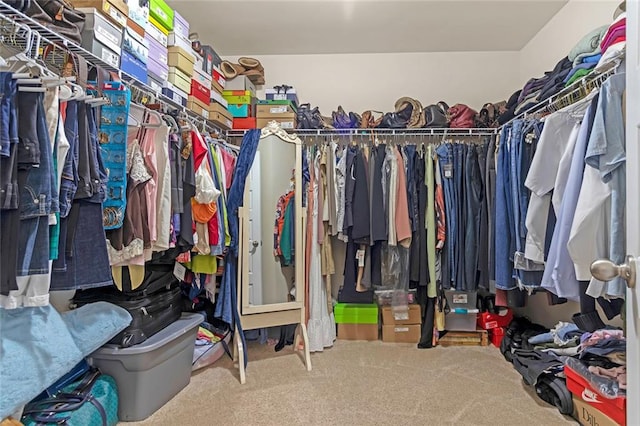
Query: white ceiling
pixel 267 27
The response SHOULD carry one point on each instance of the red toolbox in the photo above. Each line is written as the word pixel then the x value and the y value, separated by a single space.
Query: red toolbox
pixel 582 389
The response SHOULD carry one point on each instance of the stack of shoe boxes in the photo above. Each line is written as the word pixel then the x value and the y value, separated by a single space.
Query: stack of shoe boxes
pixel 158 63
pixel 401 326
pixel 281 111
pixel 102 36
pixel 201 80
pixel 135 51
pixel 218 112
pixel 356 321
pixel 181 62
pixel 240 93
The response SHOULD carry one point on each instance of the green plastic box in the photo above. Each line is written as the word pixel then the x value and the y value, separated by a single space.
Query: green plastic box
pixel 356 313
pixel 162 13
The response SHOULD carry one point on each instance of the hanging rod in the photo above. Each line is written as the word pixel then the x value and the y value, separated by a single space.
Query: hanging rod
pixel 565 97
pixel 384 132
pixel 46 35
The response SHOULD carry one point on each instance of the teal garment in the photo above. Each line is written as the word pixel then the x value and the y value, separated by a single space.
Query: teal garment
pixel 54 230
pixel 287 242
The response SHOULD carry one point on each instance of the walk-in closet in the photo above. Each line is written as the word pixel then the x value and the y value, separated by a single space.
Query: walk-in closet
pixel 319 212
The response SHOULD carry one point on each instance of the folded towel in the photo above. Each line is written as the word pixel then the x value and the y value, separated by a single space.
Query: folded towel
pixel 588 45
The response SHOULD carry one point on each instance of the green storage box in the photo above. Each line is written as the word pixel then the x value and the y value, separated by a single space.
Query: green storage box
pixel 356 313
pixel 239 100
pixel 162 13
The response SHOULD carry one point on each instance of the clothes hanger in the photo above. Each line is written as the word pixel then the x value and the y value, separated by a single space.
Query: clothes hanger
pixel 172 123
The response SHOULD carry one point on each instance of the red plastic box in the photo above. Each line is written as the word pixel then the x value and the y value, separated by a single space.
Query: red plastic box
pixel 488 320
pixel 244 123
pixel 580 387
pixel 496 335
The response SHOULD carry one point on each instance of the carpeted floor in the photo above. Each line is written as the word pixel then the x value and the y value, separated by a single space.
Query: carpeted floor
pixel 361 383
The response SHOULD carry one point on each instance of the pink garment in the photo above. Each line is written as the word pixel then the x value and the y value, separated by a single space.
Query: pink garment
pixel 148 148
pixel 403 226
pixel 229 166
pixel 612 35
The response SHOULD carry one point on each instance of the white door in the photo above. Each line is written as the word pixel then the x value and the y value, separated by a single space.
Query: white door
pixel 255 229
pixel 633 208
pixel 605 268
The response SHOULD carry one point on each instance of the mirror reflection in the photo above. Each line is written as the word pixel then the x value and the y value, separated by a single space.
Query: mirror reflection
pixel 272 222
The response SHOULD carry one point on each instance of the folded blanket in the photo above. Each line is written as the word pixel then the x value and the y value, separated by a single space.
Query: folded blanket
pixel 588 45
pixel 38 345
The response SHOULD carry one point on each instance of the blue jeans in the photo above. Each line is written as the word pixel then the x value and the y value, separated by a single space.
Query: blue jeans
pixel 445 159
pixel 473 195
pixel 503 225
pixel 36 196
pixel 8 115
pixel 97 170
pixel 69 183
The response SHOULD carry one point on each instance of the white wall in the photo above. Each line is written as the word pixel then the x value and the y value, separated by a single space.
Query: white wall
pixel 375 81
pixel 554 41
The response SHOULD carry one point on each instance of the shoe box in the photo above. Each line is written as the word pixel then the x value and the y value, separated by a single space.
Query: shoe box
pixel 244 123
pixel 198 106
pixel 282 95
pixel 282 112
pixel 495 323
pixel 220 116
pixel 591 404
pixel 115 11
pixel 182 60
pixel 588 415
pixel 357 321
pixel 241 82
pixel 101 37
pixel 401 326
pixel 161 14
pixel 139 12
pixel 218 82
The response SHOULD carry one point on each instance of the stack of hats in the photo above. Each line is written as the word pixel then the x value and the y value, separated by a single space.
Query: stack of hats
pixel 249 67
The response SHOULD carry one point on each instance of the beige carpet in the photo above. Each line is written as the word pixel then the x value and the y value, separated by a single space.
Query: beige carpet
pixel 361 383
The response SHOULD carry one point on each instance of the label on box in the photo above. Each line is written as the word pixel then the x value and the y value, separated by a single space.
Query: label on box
pixel 290 125
pixel 278 110
pixel 155 32
pixel 114 13
pixel 280 97
pixel 110 58
pixel 401 329
pixel 460 298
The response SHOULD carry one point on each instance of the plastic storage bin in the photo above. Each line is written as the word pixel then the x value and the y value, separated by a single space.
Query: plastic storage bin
pixel 148 375
pixel 460 322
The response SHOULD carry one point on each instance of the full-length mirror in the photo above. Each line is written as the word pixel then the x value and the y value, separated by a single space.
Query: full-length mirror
pixel 270 235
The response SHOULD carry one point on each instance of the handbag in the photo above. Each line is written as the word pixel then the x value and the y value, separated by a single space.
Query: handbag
pixel 369 121
pixel 58 16
pixel 461 116
pixel 436 115
pixel 92 400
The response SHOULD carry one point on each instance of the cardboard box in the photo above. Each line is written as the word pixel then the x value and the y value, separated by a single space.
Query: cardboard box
pixel 211 59
pixel 114 10
pixel 241 82
pixel 242 111
pixel 160 11
pixel 284 124
pixel 244 123
pixel 217 98
pixel 587 415
pixel 201 92
pixel 179 79
pixel 202 78
pixel 157 52
pixel 215 85
pixel 358 332
pixel 220 116
pixel 273 110
pixel 415 316
pixel 409 333
pixel 197 106
pixel 133 67
pixel 216 108
pixel 180 25
pixel 582 389
pixel 176 39
pixel 97 27
pixel 136 44
pixel 219 77
pixel 139 12
pixel 175 94
pixel 158 34
pixel 181 59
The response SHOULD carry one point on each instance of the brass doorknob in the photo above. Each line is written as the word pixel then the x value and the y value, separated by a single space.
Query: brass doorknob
pixel 606 270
